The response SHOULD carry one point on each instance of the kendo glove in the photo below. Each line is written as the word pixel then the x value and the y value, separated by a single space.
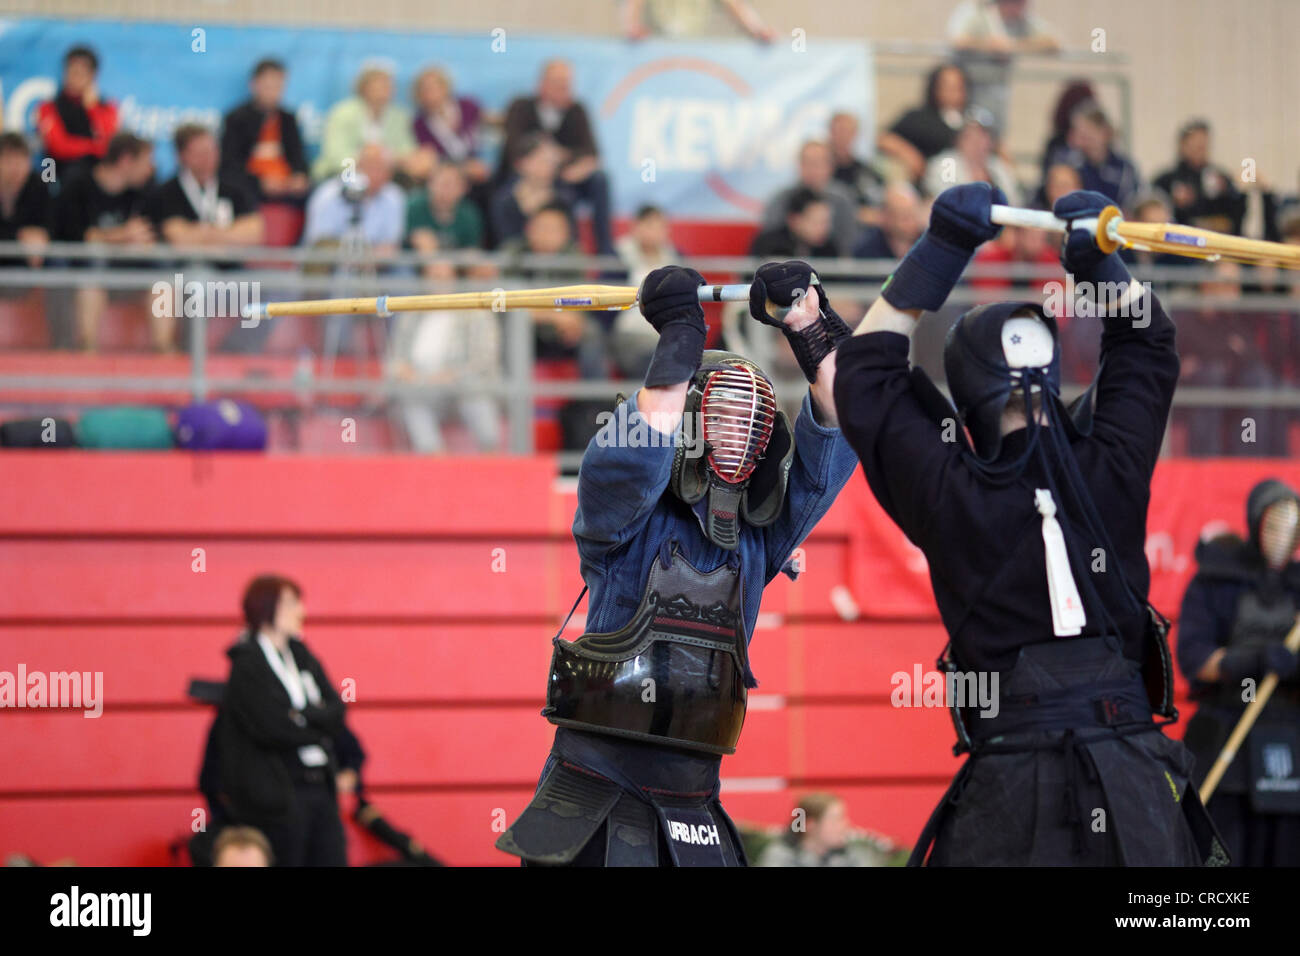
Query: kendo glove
pixel 1240 663
pixel 959 224
pixel 1080 254
pixel 670 301
pixel 783 284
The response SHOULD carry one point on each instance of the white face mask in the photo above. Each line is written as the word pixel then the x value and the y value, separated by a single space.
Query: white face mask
pixel 1279 533
pixel 1027 343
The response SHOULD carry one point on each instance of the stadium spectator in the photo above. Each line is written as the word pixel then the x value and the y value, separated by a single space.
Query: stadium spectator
pixel 241 846
pixel 261 145
pixel 78 123
pixel 447 124
pixel 927 130
pixel 454 349
pixel 557 334
pixel 366 206
pixel 972 159
pixel 647 246
pixel 1153 206
pixel 902 220
pixel 1203 195
pixel 806 233
pixel 24 200
pixel 371 116
pixel 818 836
pixel 816 172
pixel 553 110
pixel 533 186
pixel 987 35
pixel 280 714
pixel 693 18
pixel 1089 150
pixel 107 204
pixel 1074 94
pixel 1061 179
pixel 866 184
pixel 1221 347
pixel 441 219
pixel 198 207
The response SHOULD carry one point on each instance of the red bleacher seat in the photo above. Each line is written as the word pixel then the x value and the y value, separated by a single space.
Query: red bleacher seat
pixel 23 324
pixel 282 223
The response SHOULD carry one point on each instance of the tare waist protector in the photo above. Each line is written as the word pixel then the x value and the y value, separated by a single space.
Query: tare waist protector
pixel 675 674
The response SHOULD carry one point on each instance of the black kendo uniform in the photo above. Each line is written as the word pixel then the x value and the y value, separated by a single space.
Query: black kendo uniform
pixel 1238 602
pixel 1072 770
pixel 648 700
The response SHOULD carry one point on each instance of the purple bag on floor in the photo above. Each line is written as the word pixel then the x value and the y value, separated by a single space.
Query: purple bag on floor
pixel 223 424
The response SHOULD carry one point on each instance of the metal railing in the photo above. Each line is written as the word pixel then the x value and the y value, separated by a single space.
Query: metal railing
pixel 276 273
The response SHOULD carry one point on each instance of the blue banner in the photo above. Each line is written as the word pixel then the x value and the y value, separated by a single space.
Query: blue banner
pixel 705 129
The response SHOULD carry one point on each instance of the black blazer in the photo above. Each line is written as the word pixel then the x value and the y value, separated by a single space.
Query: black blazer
pixel 259 733
pixel 574 132
pixel 239 132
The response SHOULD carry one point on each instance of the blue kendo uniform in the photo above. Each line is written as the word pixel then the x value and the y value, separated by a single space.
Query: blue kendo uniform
pixel 626 516
pixel 679 531
pixel 629 525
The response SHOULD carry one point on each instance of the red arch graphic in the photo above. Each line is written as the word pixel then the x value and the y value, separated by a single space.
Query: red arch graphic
pixel 667 65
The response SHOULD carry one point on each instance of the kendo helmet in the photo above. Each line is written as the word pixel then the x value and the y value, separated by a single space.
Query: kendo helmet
pixel 1273 521
pixel 737 447
pixel 994 351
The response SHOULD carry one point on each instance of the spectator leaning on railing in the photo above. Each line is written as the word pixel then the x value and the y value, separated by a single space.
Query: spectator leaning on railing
pixel 78 123
pixel 440 218
pixel 927 130
pixel 106 204
pixel 987 34
pixel 199 207
pixel 24 201
pixel 260 141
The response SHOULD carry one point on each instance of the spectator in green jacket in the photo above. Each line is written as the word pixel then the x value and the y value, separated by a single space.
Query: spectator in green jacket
pixel 440 218
pixel 371 117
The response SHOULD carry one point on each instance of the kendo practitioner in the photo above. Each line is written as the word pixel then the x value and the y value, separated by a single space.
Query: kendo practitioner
pixel 691 499
pixel 1033 528
pixel 1236 613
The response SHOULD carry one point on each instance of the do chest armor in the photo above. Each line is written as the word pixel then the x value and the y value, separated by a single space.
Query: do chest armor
pixel 674 674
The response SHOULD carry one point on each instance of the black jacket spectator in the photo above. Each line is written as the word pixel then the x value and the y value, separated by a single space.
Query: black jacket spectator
pixel 24 198
pixel 265 779
pixel 82 204
pixel 573 131
pixel 239 135
pixel 169 201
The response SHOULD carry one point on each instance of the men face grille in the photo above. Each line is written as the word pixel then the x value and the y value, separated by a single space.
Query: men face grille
pixel 738 409
pixel 1279 532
